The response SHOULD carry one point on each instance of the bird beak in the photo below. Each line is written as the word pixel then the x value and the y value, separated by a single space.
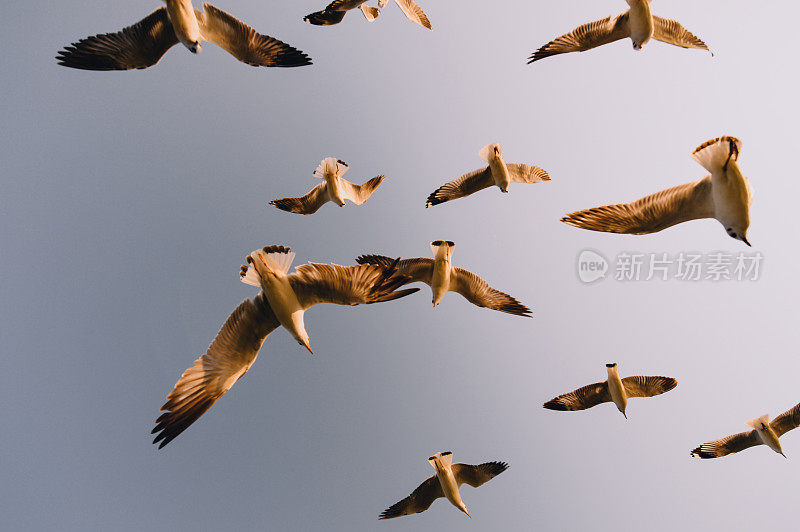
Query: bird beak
pixel 744 239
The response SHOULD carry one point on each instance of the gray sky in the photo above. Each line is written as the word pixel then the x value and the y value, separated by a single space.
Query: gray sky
pixel 130 199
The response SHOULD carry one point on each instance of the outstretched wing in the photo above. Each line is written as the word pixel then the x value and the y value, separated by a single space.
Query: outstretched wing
pixel 419 500
pixel 478 292
pixel 650 214
pixel 582 398
pixel 477 475
pixel 463 186
pixel 586 37
pixel 640 386
pixel 414 13
pixel 417 270
pixel 787 421
pixel 358 194
pixel 729 445
pixel 227 359
pixel 138 46
pixel 525 173
pixel 671 32
pixel 308 204
pixel 245 43
pixel 347 285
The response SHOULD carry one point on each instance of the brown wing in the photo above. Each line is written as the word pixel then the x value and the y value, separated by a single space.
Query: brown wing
pixel 725 446
pixel 478 292
pixel 245 43
pixel 137 46
pixel 586 37
pixel 640 386
pixel 417 270
pixel 308 204
pixel 671 32
pixel 414 13
pixel 347 285
pixel 358 194
pixel 525 173
pixel 582 398
pixel 227 359
pixel 419 500
pixel 477 475
pixel 787 421
pixel 463 186
pixel 650 214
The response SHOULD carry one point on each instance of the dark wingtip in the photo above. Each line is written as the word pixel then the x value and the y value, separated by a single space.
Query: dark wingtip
pixel 555 404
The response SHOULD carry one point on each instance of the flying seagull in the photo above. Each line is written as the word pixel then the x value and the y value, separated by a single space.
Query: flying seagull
pixel 614 389
pixel 143 44
pixel 723 195
pixel 637 23
pixel 441 276
pixel 764 432
pixel 282 302
pixel 498 173
pixel 336 10
pixel 445 483
pixel 333 188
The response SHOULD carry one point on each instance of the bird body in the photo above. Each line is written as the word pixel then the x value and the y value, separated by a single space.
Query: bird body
pixel 442 264
pixel 271 269
pixel 443 464
pixel 641 22
pixel 184 22
pixel 494 156
pixel 332 174
pixel 766 433
pixel 616 388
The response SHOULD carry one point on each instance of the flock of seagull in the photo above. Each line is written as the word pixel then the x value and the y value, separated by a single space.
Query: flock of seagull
pixel 723 194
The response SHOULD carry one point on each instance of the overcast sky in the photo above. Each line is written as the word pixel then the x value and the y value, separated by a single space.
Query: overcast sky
pixel 129 200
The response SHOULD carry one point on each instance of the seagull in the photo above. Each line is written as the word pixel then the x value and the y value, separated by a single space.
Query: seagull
pixel 441 276
pixel 282 302
pixel 334 188
pixel 614 389
pixel 723 195
pixel 637 23
pixel 497 173
pixel 764 432
pixel 336 10
pixel 143 44
pixel 445 483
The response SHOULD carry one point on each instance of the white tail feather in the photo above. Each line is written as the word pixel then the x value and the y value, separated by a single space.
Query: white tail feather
pixel 488 151
pixel 330 166
pixel 442 249
pixel 714 154
pixel 251 276
pixel 277 263
pixel 444 459
pixel 757 422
